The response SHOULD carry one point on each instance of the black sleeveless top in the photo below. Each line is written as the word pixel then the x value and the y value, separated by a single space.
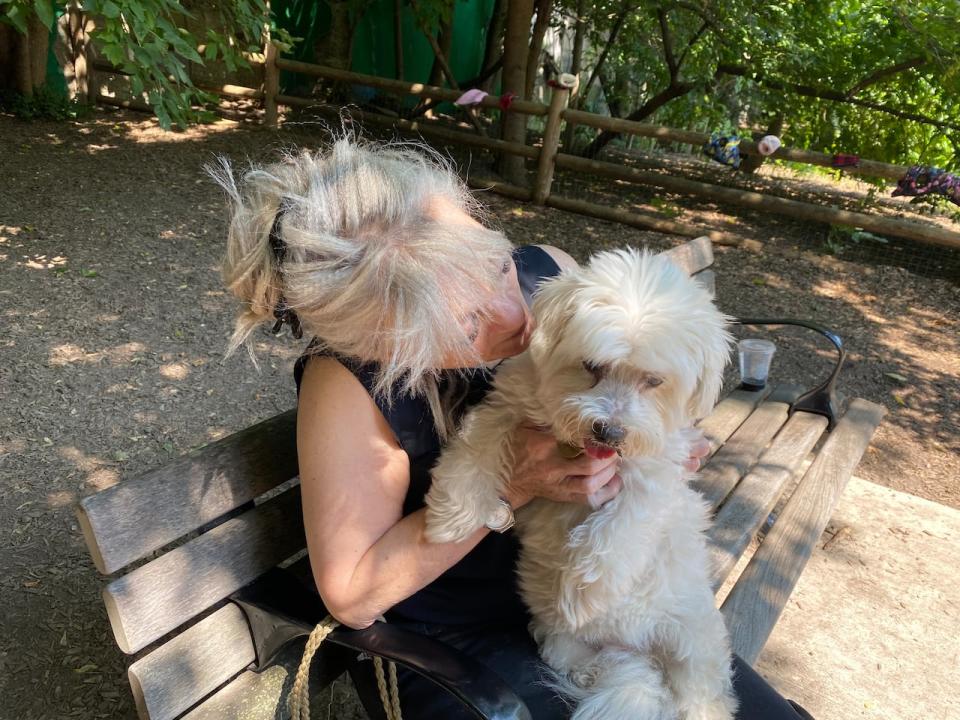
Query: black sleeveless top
pixel 482 586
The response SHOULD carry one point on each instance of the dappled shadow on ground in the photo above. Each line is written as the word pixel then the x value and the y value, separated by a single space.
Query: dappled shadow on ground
pixel 112 360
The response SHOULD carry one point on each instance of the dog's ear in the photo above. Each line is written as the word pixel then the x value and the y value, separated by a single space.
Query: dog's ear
pixel 716 354
pixel 553 306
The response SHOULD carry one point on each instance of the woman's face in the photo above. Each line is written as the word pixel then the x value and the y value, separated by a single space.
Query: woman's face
pixel 500 328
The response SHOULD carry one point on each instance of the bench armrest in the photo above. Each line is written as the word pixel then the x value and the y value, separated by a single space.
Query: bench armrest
pixel 279 609
pixel 822 399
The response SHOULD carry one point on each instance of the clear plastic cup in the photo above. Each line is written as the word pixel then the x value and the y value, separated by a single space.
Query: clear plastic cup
pixel 755 357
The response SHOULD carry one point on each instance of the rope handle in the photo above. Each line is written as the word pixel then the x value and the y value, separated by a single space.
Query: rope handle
pixel 299 700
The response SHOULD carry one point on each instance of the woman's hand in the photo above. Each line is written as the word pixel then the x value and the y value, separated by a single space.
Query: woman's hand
pixel 541 471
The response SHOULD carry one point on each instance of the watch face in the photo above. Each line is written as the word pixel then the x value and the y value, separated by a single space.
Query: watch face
pixel 500 517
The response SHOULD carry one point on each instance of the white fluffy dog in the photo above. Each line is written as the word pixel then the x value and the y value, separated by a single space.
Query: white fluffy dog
pixel 627 352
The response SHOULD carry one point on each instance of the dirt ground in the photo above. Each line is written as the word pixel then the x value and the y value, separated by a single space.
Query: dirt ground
pixel 115 324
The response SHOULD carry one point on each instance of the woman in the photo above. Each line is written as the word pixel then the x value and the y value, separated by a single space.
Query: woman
pixel 411 302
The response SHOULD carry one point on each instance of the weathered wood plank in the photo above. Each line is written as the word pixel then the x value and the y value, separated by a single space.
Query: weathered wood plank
pixel 740 452
pixel 183 671
pixel 750 504
pixel 133 518
pixel 167 592
pixel 728 415
pixel 254 695
pixel 761 592
pixel 694 255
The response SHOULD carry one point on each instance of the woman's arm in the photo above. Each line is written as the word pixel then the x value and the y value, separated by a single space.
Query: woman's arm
pixel 365 556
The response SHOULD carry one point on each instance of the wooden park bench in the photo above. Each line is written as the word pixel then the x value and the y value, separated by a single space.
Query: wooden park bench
pixel 197 598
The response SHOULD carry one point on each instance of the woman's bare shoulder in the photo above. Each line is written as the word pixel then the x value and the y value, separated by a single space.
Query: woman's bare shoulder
pixel 332 398
pixel 561 257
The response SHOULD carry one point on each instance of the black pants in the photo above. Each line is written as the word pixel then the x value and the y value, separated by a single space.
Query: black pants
pixel 512 654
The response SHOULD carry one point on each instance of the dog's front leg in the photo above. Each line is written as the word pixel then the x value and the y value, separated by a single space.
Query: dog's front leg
pixel 700 672
pixel 594 576
pixel 468 480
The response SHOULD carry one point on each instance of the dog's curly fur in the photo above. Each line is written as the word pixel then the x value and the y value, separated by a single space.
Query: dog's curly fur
pixel 627 352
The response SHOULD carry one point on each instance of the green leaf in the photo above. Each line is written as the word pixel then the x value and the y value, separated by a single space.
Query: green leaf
pixel 44 10
pixel 15 17
pixel 110 9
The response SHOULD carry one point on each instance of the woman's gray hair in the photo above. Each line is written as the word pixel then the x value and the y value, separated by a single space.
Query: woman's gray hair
pixel 366 266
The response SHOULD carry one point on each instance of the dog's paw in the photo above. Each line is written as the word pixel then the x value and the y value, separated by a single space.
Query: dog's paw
pixel 584 677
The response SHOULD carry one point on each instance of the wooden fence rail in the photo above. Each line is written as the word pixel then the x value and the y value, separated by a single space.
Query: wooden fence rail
pixel 549 157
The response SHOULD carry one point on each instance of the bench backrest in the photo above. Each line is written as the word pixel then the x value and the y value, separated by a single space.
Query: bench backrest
pixel 182 538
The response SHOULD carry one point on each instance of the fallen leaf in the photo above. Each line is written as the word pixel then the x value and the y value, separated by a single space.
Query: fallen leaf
pixel 896 376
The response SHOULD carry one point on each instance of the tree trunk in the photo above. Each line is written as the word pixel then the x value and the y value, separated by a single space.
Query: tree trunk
pixel 578 35
pixel 336 47
pixel 674 90
pixel 516 46
pixel 616 90
pixel 39 47
pixel 445 43
pixel 543 7
pixel 611 39
pixel 398 38
pixel 493 46
pixel 577 57
pixel 30 56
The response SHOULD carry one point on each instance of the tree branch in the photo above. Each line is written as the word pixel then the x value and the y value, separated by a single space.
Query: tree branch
pixel 614 31
pixel 879 75
pixel 667 42
pixel 693 41
pixel 674 90
pixel 826 94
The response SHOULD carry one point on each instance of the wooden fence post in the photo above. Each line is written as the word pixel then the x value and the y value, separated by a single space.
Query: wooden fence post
pixel 551 136
pixel 271 85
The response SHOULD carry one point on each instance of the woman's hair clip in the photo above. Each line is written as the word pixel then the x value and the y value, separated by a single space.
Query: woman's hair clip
pixel 285 314
pixel 282 312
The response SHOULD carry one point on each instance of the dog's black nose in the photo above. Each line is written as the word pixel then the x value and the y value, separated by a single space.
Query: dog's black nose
pixel 608 434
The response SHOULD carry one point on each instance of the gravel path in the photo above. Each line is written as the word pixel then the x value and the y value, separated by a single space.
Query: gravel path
pixel 115 323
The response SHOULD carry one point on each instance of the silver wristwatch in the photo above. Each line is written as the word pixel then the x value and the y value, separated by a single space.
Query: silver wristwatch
pixel 502 518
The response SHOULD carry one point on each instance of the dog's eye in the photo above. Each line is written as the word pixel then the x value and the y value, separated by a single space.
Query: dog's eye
pixel 505 268
pixel 595 369
pixel 652 381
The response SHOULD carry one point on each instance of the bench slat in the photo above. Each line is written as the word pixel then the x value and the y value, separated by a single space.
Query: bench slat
pixel 740 452
pixel 761 592
pixel 167 592
pixel 179 674
pixel 758 492
pixel 130 520
pixel 694 255
pixel 728 415
pixel 254 695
